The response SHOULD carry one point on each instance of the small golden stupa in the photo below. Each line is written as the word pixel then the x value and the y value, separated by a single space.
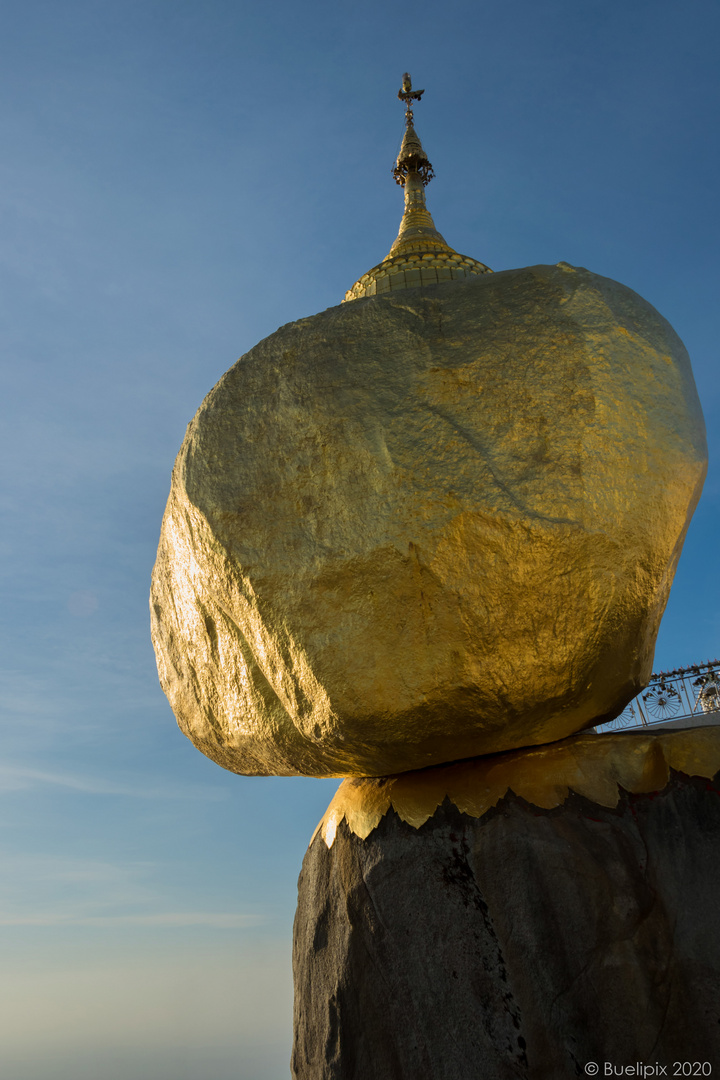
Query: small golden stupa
pixel 420 255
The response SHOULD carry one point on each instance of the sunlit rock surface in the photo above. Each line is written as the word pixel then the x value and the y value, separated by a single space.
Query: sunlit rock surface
pixel 523 942
pixel 425 526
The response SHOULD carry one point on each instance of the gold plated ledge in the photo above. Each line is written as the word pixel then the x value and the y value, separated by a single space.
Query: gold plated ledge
pixel 594 766
pixel 411 268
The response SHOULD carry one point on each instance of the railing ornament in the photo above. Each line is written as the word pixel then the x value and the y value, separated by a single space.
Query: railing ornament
pixel 673 695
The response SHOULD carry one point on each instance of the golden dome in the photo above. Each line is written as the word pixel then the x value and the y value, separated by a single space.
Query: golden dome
pixel 420 255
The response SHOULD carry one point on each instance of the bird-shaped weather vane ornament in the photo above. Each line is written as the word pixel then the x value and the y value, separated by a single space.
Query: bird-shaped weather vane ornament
pixel 407 94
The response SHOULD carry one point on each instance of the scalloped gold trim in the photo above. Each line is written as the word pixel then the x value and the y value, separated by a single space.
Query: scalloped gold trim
pixel 594 766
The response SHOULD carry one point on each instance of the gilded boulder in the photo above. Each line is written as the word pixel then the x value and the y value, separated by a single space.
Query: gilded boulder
pixel 428 525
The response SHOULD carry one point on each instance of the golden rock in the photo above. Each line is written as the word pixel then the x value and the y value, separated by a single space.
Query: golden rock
pixel 428 525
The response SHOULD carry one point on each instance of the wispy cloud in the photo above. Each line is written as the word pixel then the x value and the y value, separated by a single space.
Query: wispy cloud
pixel 171 919
pixel 20 777
pixel 34 886
pixel 55 891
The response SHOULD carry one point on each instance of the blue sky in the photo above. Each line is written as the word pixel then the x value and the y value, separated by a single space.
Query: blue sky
pixel 178 180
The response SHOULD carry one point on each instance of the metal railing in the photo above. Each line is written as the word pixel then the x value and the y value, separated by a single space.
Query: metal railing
pixel 673 695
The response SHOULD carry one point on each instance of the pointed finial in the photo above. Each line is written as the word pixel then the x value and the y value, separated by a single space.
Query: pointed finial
pixel 412 157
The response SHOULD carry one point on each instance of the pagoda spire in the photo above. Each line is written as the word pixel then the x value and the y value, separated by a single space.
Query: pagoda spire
pixel 420 255
pixel 413 172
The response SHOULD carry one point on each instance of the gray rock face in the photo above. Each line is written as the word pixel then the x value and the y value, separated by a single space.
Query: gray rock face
pixel 526 943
